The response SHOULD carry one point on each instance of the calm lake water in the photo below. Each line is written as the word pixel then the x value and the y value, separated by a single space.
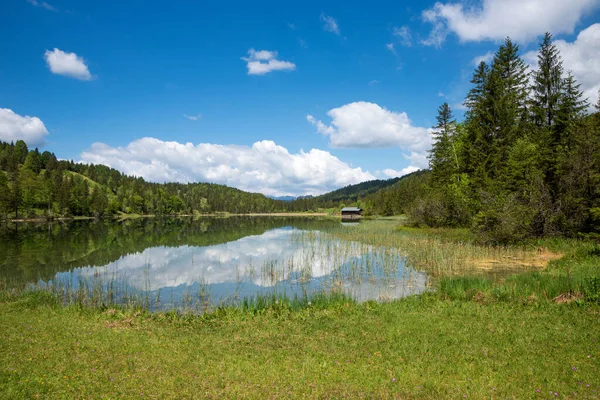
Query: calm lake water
pixel 219 260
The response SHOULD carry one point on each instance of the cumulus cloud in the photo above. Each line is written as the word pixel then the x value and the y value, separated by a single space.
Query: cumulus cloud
pixel 330 24
pixel 15 127
pixel 581 58
pixel 67 64
pixel 522 20
pixel 363 125
pixel 368 125
pixel 404 35
pixel 263 61
pixel 265 167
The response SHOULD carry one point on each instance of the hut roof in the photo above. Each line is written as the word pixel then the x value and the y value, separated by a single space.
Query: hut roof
pixel 351 209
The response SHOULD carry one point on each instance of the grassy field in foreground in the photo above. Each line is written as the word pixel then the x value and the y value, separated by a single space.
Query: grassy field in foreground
pixel 535 334
pixel 416 348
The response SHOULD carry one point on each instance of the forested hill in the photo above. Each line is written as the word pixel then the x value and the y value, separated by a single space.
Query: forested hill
pixel 352 193
pixel 35 184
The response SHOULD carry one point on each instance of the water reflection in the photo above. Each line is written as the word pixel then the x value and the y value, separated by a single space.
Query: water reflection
pixel 222 258
pixel 284 260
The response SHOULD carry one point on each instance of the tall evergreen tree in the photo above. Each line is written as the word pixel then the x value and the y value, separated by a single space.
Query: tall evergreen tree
pixel 476 93
pixel 571 109
pixel 547 84
pixel 443 157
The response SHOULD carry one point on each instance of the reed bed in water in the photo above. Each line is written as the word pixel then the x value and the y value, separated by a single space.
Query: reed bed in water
pixel 443 255
pixel 322 266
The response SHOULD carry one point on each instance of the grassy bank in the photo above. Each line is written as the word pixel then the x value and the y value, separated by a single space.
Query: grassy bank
pixel 416 348
pixel 533 334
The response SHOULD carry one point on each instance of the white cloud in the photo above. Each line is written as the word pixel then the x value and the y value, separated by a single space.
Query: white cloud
pixel 404 34
pixel 263 61
pixel 438 32
pixel 367 125
pixel 392 173
pixel 581 58
pixel 15 127
pixel 390 47
pixel 441 94
pixel 486 58
pixel 67 64
pixel 265 167
pixel 42 4
pixel 522 20
pixel 193 117
pixel 330 24
pixel 239 264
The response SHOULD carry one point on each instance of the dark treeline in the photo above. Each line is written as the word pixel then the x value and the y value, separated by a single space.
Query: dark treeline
pixel 526 160
pixel 34 184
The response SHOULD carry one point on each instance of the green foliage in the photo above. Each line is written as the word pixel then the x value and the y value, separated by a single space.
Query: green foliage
pixel 40 184
pixel 525 162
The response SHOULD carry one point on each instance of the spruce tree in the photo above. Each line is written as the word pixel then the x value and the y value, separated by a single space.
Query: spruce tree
pixel 477 91
pixel 443 158
pixel 571 109
pixel 547 84
pixel 505 106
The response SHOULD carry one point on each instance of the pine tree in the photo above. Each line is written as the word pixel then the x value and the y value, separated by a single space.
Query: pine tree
pixel 476 93
pixel 547 84
pixel 513 78
pixel 503 113
pixel 571 109
pixel 443 158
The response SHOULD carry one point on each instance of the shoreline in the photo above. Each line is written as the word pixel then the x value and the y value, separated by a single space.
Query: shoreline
pixel 135 216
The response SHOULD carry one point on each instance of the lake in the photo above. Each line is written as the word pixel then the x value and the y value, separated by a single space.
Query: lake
pixel 183 263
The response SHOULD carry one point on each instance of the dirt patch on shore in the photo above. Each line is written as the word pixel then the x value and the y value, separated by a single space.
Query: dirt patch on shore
pixel 534 259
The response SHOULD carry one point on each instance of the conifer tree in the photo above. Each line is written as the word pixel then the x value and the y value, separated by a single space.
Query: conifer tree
pixel 476 93
pixel 571 109
pixel 443 158
pixel 547 84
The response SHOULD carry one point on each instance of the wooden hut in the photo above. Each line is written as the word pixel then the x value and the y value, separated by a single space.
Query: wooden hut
pixel 351 212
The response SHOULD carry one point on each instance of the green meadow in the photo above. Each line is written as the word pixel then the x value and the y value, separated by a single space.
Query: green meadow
pixel 530 331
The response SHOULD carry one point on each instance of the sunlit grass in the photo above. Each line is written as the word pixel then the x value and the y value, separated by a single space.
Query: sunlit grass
pixel 528 331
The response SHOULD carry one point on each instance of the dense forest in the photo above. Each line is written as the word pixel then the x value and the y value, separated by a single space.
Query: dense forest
pixel 525 162
pixel 37 184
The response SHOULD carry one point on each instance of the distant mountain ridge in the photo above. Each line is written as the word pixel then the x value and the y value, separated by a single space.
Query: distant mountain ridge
pixel 354 192
pixel 283 198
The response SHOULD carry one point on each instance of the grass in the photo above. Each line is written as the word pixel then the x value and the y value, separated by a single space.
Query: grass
pixel 416 348
pixel 532 334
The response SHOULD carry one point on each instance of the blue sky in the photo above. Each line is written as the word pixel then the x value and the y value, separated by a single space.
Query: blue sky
pixel 278 98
